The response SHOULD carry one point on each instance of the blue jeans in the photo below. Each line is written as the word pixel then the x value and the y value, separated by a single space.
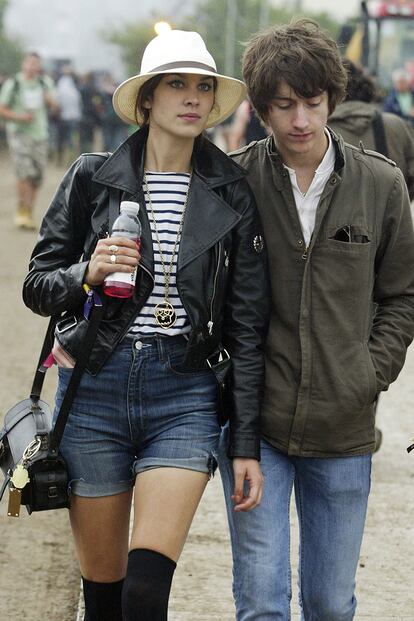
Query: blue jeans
pixel 331 500
pixel 143 410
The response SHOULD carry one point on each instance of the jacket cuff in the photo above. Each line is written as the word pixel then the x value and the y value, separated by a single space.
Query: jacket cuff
pixel 77 275
pixel 247 446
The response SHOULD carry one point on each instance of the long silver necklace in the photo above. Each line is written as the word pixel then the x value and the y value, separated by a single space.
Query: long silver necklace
pixel 164 312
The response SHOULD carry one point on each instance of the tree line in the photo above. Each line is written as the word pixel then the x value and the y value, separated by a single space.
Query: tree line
pixel 208 17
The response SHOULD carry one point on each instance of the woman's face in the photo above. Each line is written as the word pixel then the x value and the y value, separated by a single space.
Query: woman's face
pixel 181 104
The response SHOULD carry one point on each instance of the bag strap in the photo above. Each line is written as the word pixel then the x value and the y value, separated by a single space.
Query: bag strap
pixel 379 134
pixel 41 368
pixel 4 485
pixel 80 365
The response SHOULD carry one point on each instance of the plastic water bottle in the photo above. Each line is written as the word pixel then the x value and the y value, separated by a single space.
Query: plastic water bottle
pixel 127 224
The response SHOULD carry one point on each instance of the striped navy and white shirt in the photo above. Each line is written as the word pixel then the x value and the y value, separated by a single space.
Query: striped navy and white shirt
pixel 168 193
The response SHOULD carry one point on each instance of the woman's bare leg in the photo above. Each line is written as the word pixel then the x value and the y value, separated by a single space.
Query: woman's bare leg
pixel 100 528
pixel 166 500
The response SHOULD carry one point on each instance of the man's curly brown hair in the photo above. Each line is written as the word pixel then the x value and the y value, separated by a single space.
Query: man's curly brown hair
pixel 301 54
pixel 361 86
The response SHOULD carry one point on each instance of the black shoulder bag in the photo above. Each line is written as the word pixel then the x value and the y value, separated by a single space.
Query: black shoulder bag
pixel 34 470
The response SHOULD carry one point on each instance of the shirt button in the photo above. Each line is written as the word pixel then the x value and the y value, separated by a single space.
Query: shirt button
pixel 300 242
pixel 138 345
pixel 334 181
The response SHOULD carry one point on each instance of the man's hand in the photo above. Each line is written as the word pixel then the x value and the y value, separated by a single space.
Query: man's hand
pixel 24 117
pixel 247 470
pixel 51 103
pixel 9 115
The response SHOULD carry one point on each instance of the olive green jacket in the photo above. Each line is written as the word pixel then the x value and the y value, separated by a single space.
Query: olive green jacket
pixel 353 120
pixel 328 354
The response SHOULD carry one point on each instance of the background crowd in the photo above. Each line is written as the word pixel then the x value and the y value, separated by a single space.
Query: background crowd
pixel 55 116
pixel 83 118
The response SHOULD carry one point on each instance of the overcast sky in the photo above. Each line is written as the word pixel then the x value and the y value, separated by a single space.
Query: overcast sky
pixel 340 10
pixel 71 28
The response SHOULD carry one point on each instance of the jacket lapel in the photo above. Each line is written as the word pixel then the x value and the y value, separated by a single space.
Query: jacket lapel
pixel 124 168
pixel 208 219
pixel 208 216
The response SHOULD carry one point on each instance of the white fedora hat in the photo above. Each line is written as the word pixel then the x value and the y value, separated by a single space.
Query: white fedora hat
pixel 178 51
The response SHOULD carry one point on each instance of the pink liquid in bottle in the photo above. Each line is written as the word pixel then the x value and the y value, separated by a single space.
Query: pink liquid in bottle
pixel 127 224
pixel 117 288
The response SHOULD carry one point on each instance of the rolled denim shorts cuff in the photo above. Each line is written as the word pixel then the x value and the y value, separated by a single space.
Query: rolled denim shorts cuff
pixel 205 464
pixel 79 487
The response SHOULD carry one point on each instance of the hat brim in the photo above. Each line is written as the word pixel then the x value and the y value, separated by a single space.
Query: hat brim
pixel 229 94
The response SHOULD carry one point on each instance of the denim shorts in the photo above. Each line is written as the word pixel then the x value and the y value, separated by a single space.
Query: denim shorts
pixel 143 410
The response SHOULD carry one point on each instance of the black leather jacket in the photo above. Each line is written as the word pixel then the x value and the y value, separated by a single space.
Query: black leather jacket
pixel 221 272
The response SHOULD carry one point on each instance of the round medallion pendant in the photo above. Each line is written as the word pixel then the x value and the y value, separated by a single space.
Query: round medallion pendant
pixel 165 315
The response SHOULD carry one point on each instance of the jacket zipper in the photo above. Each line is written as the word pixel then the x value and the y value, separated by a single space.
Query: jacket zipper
pixel 307 248
pixel 148 272
pixel 211 323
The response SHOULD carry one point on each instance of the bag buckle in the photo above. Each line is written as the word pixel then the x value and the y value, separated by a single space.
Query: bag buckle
pixel 52 491
pixel 66 324
pixel 31 450
pixel 222 356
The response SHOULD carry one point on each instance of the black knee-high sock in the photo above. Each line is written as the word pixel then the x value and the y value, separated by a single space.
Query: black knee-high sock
pixel 147 586
pixel 102 600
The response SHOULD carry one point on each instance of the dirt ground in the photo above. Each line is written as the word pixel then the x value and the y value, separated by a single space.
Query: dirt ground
pixel 39 579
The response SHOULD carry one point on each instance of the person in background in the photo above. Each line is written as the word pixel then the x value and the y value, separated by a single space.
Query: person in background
pixel 359 119
pixel 3 140
pixel 114 131
pixel 146 417
pixel 246 127
pixel 340 239
pixel 70 106
pixel 24 103
pixel 90 112
pixel 400 100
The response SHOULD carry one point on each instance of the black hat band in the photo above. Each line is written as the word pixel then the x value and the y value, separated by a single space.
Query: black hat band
pixel 184 63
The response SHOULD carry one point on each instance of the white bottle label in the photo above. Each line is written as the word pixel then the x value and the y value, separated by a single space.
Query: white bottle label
pixel 129 279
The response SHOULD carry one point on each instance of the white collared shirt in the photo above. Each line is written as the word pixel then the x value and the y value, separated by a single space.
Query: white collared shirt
pixel 307 203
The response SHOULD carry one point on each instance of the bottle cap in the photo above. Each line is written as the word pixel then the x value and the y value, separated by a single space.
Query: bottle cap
pixel 129 207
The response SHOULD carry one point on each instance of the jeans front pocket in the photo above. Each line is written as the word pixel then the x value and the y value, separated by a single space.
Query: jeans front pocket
pixel 176 364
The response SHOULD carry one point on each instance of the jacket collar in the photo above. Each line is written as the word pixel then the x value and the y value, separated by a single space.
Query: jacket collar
pixel 202 227
pixel 124 169
pixel 279 169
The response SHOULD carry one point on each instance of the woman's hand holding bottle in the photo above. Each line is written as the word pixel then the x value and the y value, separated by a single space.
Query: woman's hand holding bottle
pixel 112 254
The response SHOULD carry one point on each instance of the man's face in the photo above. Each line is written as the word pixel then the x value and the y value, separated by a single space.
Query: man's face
pixel 31 66
pixel 402 85
pixel 298 125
